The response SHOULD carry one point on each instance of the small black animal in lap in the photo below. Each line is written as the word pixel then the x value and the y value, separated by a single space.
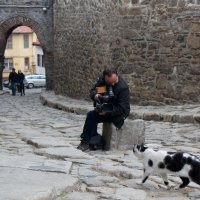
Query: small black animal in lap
pixel 184 165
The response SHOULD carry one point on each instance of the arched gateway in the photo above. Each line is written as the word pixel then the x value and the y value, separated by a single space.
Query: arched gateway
pixel 38 15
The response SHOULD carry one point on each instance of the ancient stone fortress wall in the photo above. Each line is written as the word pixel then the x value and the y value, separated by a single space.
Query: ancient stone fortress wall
pixel 14 13
pixel 155 44
pixel 22 2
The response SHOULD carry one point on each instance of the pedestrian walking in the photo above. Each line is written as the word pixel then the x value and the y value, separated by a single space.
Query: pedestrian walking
pixel 13 81
pixel 20 79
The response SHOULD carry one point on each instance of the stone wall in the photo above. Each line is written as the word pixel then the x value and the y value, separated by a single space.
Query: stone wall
pixel 154 44
pixel 14 13
pixel 23 2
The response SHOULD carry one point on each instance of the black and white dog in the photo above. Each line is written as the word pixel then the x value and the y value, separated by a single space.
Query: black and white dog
pixel 184 165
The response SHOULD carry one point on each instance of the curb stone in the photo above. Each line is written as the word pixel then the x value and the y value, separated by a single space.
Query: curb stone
pixel 81 107
pixel 2 92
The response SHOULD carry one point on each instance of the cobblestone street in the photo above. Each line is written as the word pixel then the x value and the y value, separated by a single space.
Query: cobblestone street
pixel 39 159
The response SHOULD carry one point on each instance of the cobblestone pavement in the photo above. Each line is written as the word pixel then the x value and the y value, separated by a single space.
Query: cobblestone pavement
pixel 39 159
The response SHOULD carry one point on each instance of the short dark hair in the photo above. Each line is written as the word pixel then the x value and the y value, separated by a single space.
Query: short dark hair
pixel 109 71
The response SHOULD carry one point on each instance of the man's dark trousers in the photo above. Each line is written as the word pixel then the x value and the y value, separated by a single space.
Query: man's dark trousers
pixel 91 122
pixel 13 88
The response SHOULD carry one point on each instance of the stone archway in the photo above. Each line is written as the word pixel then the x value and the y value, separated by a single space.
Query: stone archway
pixel 6 29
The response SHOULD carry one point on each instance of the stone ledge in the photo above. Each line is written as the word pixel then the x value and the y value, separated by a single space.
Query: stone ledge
pixel 55 103
pixel 131 133
pixel 3 92
pixel 175 114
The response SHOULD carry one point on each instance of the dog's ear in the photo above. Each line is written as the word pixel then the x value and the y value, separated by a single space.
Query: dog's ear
pixel 136 147
pixel 143 147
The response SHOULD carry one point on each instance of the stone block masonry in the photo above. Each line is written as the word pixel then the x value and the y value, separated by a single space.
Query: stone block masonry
pixel 14 13
pixel 154 45
pixel 131 133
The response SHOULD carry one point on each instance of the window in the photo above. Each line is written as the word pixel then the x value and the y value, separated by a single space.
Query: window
pixel 39 60
pixel 8 63
pixel 26 41
pixel 9 44
pixel 26 63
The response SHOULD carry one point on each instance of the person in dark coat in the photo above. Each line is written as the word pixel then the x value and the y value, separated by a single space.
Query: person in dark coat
pixel 13 80
pixel 120 106
pixel 21 78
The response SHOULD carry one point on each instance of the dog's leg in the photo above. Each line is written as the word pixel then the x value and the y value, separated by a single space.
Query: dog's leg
pixel 145 176
pixel 165 179
pixel 185 180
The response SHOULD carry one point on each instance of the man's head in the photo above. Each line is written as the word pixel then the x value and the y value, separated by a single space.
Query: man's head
pixel 19 71
pixel 13 69
pixel 111 76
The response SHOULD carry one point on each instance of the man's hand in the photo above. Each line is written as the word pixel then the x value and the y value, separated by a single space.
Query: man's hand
pixel 102 113
pixel 96 97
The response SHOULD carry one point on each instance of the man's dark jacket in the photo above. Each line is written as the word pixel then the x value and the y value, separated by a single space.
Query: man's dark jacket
pixel 13 77
pixel 121 104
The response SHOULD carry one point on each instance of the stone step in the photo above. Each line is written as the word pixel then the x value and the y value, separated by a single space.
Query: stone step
pixel 189 113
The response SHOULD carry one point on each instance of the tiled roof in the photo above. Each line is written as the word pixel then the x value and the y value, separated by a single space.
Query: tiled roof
pixel 37 43
pixel 23 29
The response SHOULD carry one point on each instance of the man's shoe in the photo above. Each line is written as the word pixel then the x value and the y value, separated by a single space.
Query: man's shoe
pixel 85 147
pixel 79 146
pixel 81 143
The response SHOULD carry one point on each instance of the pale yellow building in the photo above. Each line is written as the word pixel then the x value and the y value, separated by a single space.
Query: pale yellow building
pixel 22 52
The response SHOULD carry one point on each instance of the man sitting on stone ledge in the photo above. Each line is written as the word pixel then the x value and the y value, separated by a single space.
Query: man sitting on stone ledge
pixel 115 92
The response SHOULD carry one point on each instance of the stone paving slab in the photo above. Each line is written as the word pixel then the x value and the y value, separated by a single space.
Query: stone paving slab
pixel 47 141
pixel 99 180
pixel 44 169
pixel 81 196
pixel 119 171
pixel 188 113
pixel 63 152
pixel 36 163
pixel 130 193
pixel 22 184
